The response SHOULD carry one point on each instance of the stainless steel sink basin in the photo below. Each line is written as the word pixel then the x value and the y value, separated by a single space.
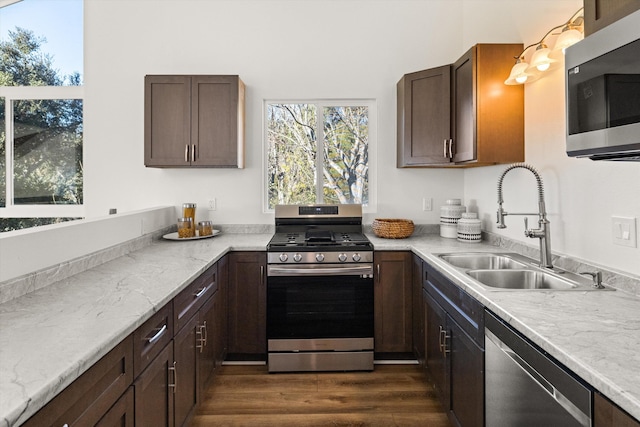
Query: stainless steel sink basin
pixel 521 279
pixel 510 271
pixel 482 261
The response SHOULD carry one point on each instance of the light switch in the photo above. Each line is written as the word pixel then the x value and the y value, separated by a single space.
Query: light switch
pixel 624 231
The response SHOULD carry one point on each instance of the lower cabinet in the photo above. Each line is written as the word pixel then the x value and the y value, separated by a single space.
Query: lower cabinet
pixel 607 414
pixel 247 305
pixel 121 413
pixel 393 303
pixel 454 348
pixel 417 310
pixel 87 401
pixel 154 391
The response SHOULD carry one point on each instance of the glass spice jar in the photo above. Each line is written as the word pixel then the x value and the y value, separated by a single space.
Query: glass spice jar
pixel 185 228
pixel 205 228
pixel 189 211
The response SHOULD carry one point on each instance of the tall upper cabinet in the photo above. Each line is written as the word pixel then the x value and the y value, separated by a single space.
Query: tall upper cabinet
pixel 462 114
pixel 194 121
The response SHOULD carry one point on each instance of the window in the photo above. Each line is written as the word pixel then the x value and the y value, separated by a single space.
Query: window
pixel 319 152
pixel 41 112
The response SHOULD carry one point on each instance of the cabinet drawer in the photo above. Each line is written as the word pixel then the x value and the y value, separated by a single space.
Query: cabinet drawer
pixel 189 301
pixel 461 306
pixel 88 398
pixel 150 338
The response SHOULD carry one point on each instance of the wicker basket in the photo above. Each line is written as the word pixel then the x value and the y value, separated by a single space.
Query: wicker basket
pixel 392 228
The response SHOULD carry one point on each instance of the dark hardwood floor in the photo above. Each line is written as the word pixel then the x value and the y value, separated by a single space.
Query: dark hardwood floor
pixel 391 395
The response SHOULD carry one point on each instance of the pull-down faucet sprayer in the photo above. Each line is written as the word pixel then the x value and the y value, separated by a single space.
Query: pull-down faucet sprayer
pixel 541 233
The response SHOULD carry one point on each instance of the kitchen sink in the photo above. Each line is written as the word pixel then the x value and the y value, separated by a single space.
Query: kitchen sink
pixel 482 261
pixel 511 271
pixel 521 279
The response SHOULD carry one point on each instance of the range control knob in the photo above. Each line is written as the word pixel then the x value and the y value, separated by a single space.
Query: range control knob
pixel 283 257
pixel 356 257
pixel 319 257
pixel 342 257
pixel 297 257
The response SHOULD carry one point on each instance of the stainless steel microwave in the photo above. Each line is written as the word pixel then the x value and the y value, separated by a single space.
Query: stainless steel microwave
pixel 603 93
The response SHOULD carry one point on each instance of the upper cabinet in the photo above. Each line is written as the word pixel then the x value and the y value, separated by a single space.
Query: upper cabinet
pixel 600 13
pixel 424 117
pixel 468 118
pixel 194 121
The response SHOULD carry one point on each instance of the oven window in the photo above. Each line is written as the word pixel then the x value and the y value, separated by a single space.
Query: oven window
pixel 319 307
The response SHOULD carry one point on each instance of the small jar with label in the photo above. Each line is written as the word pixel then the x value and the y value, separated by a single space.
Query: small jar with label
pixel 205 228
pixel 185 228
pixel 189 211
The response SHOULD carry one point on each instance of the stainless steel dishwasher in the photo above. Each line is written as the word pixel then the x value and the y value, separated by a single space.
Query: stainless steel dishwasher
pixel 524 387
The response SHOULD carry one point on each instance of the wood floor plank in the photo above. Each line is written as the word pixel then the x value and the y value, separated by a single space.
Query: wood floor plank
pixel 391 395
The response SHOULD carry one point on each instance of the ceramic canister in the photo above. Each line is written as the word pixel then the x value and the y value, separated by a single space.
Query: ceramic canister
pixel 450 213
pixel 469 228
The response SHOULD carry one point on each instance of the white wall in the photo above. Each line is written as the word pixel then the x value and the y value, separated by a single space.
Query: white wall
pixel 581 195
pixel 288 49
pixel 281 49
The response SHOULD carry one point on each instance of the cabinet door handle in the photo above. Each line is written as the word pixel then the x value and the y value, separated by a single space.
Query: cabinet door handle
pixel 202 336
pixel 193 153
pixel 444 348
pixel 262 274
pixel 378 272
pixel 444 148
pixel 158 334
pixel 206 332
pixel 186 153
pixel 175 377
pixel 451 148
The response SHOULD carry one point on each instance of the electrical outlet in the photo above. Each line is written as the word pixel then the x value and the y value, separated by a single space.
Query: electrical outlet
pixel 212 204
pixel 427 205
pixel 624 231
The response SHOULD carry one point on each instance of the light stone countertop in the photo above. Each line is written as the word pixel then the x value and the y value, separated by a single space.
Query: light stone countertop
pixel 49 337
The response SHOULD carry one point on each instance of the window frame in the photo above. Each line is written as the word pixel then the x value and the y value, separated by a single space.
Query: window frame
pixel 20 93
pixel 372 106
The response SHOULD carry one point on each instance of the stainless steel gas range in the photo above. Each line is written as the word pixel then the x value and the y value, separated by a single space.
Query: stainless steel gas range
pixel 319 290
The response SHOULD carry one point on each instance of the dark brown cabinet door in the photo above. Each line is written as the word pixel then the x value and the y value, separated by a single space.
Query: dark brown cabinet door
pixel 121 413
pixel 417 309
pixel 185 355
pixel 220 328
pixel 205 340
pixel 215 120
pixel 487 125
pixel 424 123
pixel 435 322
pixel 154 392
pixel 393 331
pixel 606 414
pixel 465 362
pixel 247 305
pixel 167 120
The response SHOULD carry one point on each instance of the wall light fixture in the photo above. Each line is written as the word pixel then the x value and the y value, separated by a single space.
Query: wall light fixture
pixel 543 57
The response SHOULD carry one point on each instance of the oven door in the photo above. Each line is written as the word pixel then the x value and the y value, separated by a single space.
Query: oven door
pixel 312 303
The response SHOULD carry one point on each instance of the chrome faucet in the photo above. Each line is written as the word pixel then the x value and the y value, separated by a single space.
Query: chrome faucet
pixel 542 232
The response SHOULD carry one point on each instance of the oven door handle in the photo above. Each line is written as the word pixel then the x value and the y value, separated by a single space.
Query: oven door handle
pixel 320 271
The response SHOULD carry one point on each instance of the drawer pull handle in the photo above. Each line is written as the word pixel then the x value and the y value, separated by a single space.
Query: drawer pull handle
pixel 200 292
pixel 158 334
